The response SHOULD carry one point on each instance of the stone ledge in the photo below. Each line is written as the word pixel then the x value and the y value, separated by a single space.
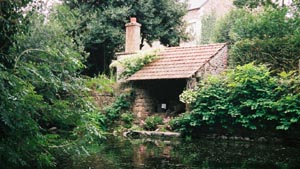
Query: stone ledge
pixel 151 134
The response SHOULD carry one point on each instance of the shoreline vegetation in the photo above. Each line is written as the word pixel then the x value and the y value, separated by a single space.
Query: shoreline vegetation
pixel 54 103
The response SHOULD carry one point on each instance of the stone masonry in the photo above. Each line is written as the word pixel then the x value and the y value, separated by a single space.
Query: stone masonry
pixel 215 66
pixel 143 104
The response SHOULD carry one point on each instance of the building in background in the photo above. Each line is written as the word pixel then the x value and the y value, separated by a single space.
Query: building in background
pixel 201 17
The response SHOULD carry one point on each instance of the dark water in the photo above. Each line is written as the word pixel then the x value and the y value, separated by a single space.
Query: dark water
pixel 118 153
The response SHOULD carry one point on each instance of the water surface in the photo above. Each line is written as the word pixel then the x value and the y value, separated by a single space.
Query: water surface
pixel 118 153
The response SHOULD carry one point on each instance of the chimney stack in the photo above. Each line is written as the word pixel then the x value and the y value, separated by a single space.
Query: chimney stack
pixel 133 36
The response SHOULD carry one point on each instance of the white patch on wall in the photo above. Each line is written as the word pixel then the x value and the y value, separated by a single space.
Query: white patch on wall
pixel 164 106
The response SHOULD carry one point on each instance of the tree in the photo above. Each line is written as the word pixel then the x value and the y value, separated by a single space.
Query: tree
pixel 103 23
pixel 11 22
pixel 254 3
pixel 269 35
pixel 208 23
pixel 44 103
pixel 223 29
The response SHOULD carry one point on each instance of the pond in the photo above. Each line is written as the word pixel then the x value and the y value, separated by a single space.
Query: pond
pixel 120 153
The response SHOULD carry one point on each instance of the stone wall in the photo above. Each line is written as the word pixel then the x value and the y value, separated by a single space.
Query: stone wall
pixel 216 65
pixel 102 100
pixel 219 7
pixel 143 104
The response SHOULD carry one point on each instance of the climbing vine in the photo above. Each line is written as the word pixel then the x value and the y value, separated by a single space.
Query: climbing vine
pixel 136 62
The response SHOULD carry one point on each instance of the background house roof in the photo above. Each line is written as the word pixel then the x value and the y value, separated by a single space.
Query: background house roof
pixel 194 4
pixel 178 62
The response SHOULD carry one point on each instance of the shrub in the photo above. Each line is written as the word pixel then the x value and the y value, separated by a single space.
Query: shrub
pixel 101 84
pixel 188 96
pixel 247 97
pixel 127 118
pixel 152 122
pixel 122 103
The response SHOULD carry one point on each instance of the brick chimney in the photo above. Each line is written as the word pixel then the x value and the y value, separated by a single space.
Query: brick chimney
pixel 133 36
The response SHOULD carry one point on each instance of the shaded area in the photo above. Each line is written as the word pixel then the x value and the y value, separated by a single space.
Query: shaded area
pixel 165 92
pixel 119 153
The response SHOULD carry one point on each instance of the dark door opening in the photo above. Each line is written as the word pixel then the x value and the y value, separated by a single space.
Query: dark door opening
pixel 165 95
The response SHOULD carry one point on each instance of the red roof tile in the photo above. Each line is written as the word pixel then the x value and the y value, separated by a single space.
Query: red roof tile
pixel 178 62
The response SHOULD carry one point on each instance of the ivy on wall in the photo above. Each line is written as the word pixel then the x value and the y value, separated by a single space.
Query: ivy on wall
pixel 135 62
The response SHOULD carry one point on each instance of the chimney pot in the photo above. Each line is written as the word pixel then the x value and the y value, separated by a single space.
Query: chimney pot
pixel 133 20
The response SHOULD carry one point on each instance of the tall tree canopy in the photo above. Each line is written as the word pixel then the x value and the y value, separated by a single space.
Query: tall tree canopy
pixel 44 103
pixel 254 3
pixel 102 26
pixel 268 35
pixel 11 22
pixel 251 4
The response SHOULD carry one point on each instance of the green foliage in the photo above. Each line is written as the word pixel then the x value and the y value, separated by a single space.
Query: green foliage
pixel 127 118
pixel 267 37
pixel 101 84
pixel 223 27
pixel 134 63
pixel 183 124
pixel 188 96
pixel 151 122
pixel 253 3
pixel 208 22
pixel 121 105
pixel 247 97
pixel 45 107
pixel 271 39
pixel 11 22
pixel 101 24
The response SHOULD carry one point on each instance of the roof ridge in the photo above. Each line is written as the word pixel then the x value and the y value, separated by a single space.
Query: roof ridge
pixel 196 46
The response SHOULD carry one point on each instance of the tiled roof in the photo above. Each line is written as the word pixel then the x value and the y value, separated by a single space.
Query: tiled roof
pixel 178 62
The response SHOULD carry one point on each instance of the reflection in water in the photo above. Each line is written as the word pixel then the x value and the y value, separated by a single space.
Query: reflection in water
pixel 118 153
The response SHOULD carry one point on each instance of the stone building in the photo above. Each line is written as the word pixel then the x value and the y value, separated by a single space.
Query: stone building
pixel 159 84
pixel 196 11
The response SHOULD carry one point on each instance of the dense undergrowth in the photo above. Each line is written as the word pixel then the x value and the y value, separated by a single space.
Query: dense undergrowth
pixel 46 108
pixel 119 110
pixel 247 97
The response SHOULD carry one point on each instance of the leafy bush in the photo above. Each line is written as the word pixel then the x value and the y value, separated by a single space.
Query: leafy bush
pixel 101 84
pixel 152 122
pixel 188 96
pixel 121 104
pixel 247 97
pixel 127 118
